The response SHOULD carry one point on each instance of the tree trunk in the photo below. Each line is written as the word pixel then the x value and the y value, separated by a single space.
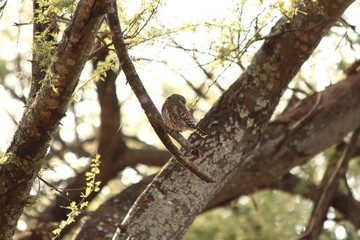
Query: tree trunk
pixel 42 116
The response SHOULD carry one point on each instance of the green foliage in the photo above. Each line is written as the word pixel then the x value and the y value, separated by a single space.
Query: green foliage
pixel 49 10
pixel 3 70
pixel 289 8
pixel 276 216
pixel 4 157
pixel 45 42
pixel 51 78
pixel 13 159
pixel 64 6
pixel 75 208
pixel 138 28
pixel 99 74
pixel 44 49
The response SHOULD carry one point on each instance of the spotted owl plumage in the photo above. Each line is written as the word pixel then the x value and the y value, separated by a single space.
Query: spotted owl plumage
pixel 177 117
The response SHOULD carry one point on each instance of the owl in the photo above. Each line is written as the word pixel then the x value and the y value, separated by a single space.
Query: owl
pixel 177 117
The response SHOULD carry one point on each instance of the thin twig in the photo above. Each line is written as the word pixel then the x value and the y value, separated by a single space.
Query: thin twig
pixel 152 14
pixel 55 188
pixel 2 7
pixel 197 90
pixel 99 50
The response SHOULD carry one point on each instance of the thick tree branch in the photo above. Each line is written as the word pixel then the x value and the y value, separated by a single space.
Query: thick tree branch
pixel 259 172
pixel 111 144
pixel 327 127
pixel 41 118
pixel 146 103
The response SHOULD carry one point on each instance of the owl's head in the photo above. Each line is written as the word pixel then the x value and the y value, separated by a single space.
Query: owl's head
pixel 177 98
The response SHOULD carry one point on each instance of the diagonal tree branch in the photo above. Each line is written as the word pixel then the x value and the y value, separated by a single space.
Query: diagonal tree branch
pixel 110 143
pixel 146 103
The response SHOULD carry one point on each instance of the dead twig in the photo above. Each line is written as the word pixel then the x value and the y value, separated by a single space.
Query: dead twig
pixel 55 188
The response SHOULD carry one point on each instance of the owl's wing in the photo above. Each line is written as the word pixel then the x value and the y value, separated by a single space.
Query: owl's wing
pixel 186 117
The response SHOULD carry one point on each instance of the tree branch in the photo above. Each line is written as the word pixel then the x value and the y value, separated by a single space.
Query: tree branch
pixel 329 185
pixel 42 117
pixel 345 204
pixel 146 103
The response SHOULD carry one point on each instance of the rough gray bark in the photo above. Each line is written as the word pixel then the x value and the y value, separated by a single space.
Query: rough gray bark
pixel 337 115
pixel 170 203
pixel 43 114
pixel 259 172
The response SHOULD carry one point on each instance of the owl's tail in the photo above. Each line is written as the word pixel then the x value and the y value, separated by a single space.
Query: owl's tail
pixel 200 132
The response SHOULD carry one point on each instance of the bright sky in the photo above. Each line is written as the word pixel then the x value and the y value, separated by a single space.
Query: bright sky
pixel 15 42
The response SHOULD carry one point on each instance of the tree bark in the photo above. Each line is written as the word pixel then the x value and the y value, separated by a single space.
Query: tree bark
pixel 43 114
